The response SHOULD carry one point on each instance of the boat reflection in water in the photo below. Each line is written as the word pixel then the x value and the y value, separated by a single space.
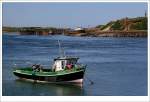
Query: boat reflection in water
pixel 49 89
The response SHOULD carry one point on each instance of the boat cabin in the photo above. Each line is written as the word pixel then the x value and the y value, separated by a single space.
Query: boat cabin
pixel 60 63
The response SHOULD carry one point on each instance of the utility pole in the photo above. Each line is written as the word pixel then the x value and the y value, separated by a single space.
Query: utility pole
pixel 126 23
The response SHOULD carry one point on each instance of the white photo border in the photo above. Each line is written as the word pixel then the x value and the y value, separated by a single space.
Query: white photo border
pixel 74 98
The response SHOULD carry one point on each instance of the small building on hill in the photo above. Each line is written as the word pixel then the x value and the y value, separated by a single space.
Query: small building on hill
pixel 78 29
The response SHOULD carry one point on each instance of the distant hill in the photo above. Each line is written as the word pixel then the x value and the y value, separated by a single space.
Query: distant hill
pixel 125 24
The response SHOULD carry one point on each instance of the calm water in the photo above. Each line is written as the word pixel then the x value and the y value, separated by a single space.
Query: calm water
pixel 117 66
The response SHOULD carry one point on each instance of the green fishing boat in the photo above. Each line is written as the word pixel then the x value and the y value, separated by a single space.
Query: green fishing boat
pixel 64 69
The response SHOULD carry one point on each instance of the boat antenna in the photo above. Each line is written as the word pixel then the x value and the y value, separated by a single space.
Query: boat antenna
pixel 61 50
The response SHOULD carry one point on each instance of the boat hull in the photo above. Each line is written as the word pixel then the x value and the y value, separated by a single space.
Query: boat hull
pixel 76 77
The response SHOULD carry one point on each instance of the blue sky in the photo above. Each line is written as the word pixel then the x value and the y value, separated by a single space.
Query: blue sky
pixel 68 14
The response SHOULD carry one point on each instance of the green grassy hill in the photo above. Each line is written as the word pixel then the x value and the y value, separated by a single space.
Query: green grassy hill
pixel 126 24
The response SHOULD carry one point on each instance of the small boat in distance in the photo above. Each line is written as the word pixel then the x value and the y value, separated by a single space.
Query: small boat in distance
pixel 64 69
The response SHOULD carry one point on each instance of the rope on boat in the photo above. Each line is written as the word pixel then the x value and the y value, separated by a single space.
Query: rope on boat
pixel 90 81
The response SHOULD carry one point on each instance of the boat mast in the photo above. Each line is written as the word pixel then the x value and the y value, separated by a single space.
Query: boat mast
pixel 61 50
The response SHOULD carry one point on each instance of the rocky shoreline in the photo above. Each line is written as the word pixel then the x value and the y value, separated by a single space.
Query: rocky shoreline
pixel 97 34
pixel 110 34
